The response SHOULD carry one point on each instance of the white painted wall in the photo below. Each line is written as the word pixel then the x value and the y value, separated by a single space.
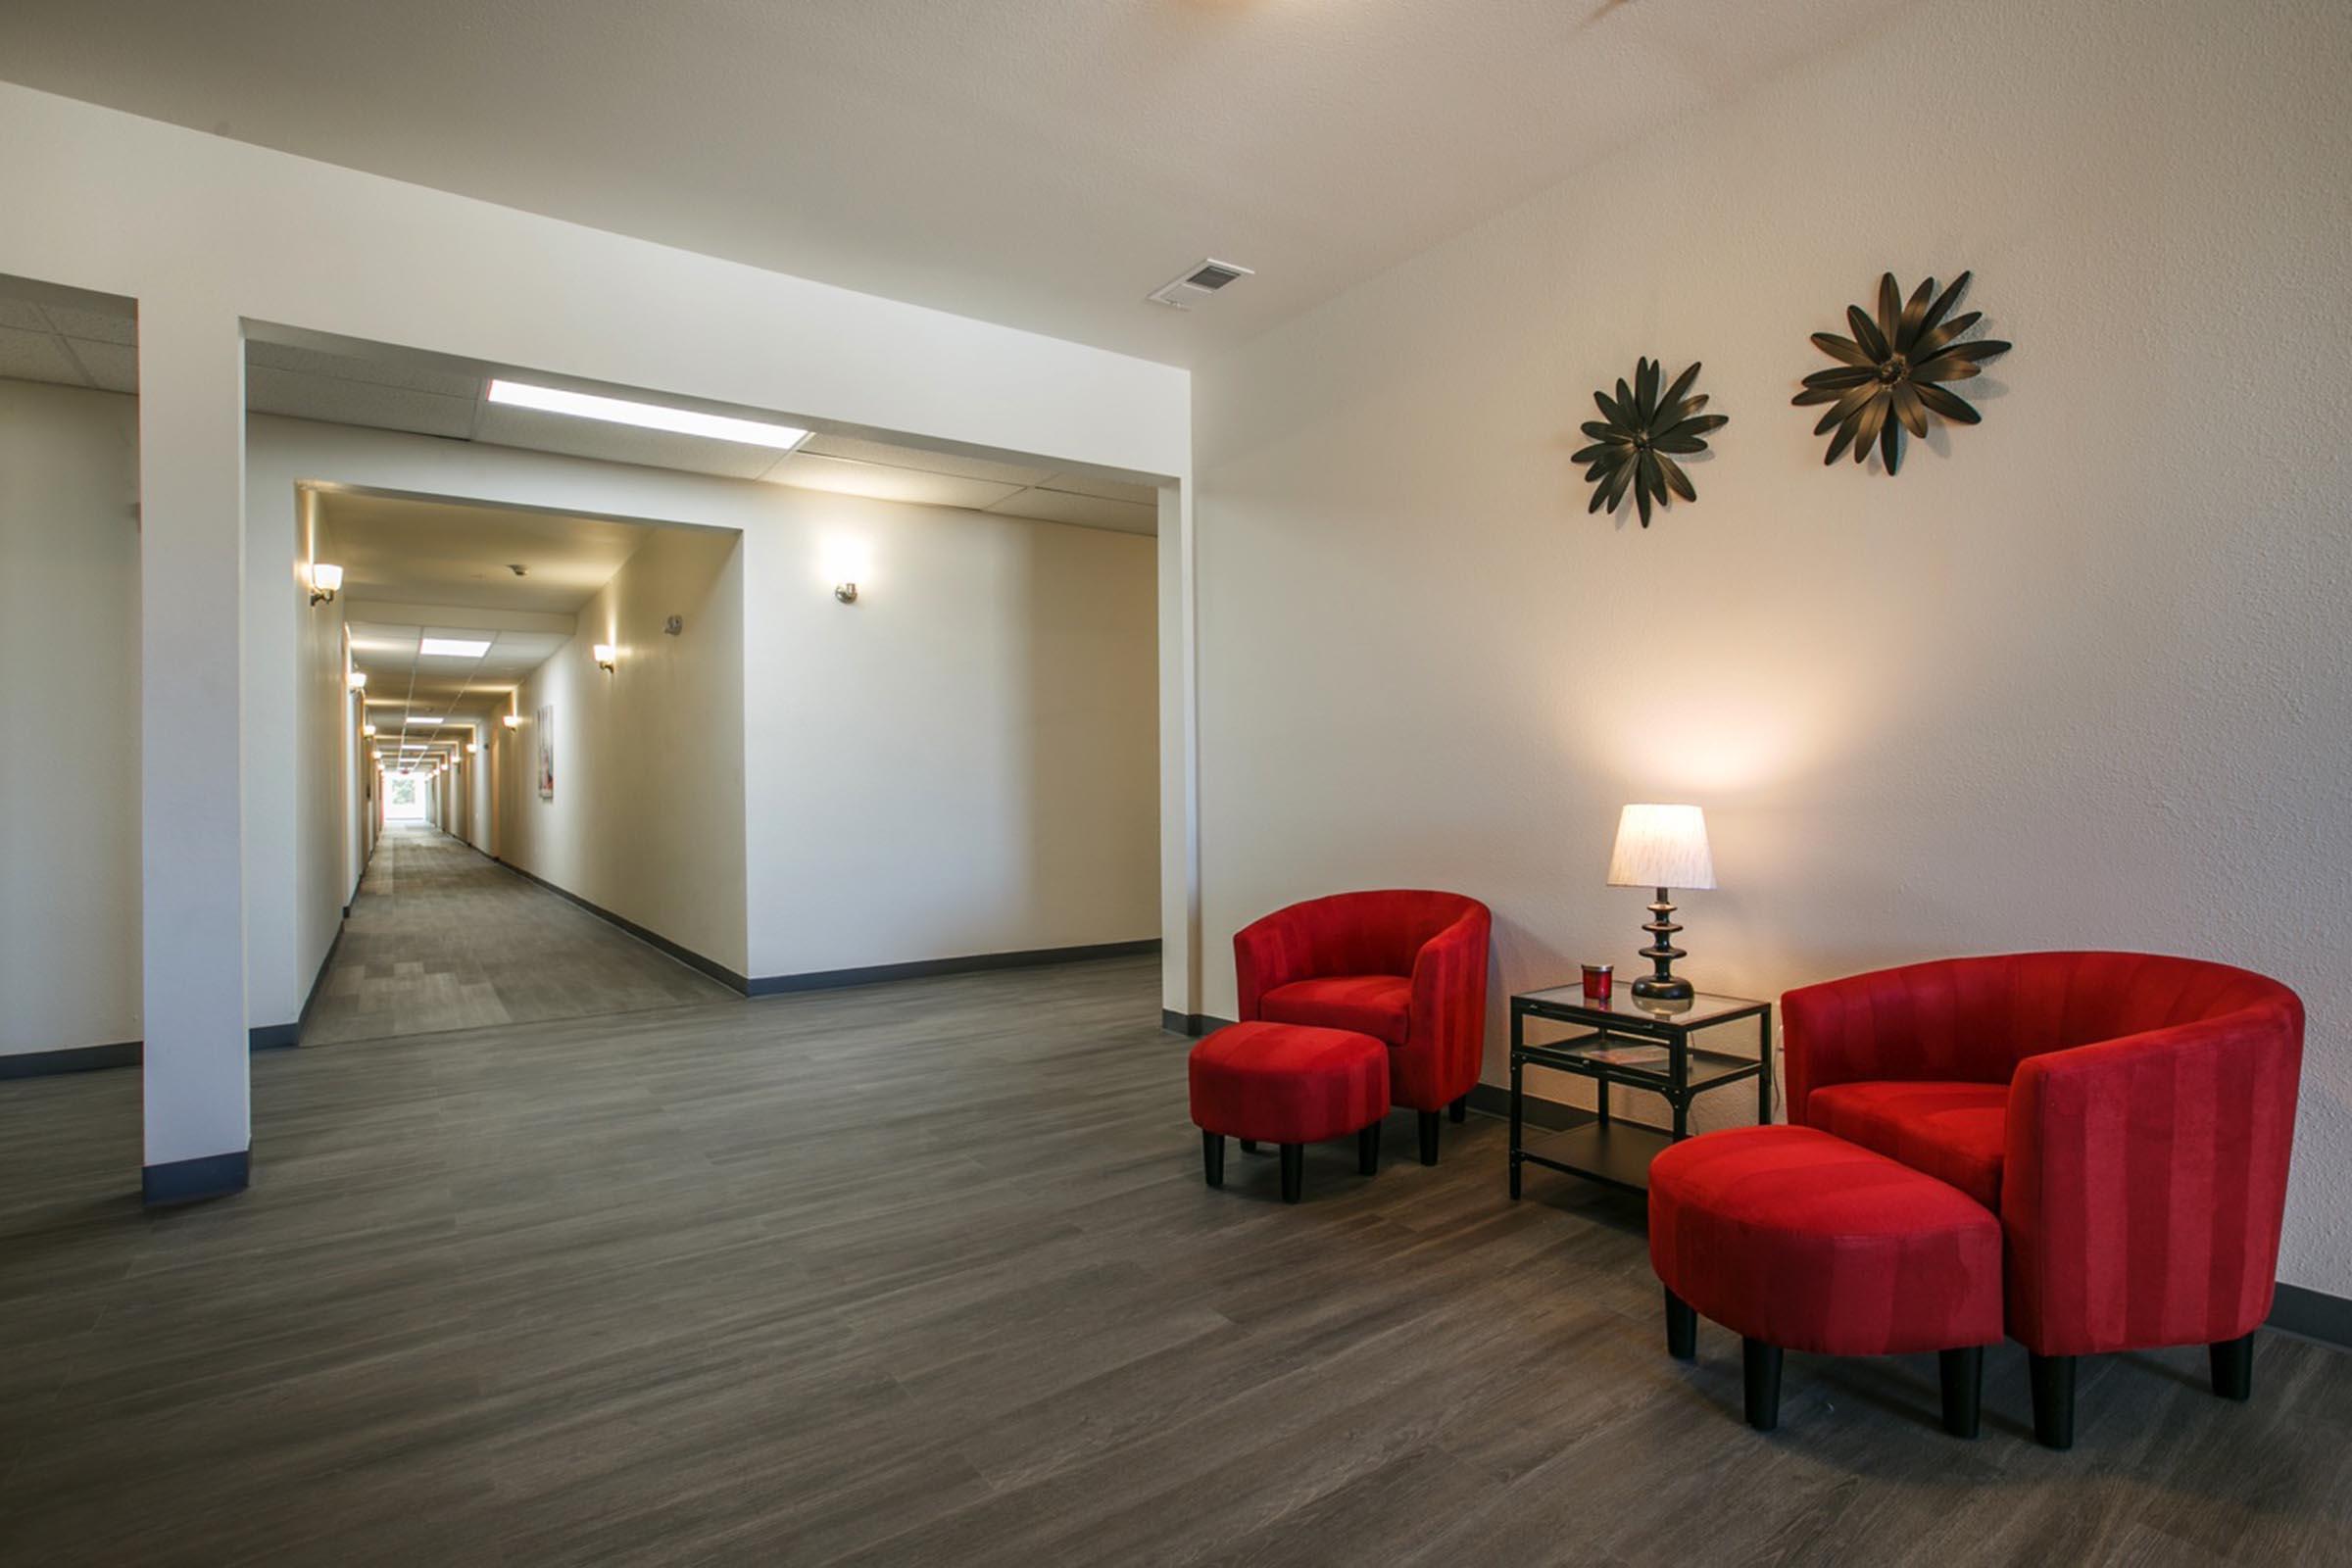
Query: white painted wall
pixel 648 813
pixel 68 703
pixel 195 226
pixel 2078 676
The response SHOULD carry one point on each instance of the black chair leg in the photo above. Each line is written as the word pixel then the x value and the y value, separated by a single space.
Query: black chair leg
pixel 1429 1137
pixel 1294 1171
pixel 2233 1367
pixel 1248 1146
pixel 1761 1366
pixel 1367 1150
pixel 1963 1375
pixel 1682 1328
pixel 1460 1111
pixel 1212 1158
pixel 2054 1400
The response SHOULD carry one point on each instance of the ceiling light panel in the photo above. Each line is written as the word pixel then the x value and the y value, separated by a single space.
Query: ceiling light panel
pixel 647 416
pixel 451 648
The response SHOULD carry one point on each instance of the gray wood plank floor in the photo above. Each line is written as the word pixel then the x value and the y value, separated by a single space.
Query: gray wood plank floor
pixel 926 1273
pixel 440 937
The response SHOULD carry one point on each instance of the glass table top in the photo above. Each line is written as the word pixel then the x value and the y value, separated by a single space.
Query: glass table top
pixel 1623 1004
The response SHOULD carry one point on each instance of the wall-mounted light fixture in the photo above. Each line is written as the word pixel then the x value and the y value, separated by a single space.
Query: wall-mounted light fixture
pixel 845 592
pixel 366 729
pixel 358 681
pixel 324 580
pixel 511 721
pixel 603 656
pixel 473 747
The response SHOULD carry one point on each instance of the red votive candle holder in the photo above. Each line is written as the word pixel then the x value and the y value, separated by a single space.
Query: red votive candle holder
pixel 1599 979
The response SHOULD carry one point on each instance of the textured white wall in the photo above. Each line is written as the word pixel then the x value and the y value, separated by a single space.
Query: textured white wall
pixel 647 818
pixel 69 705
pixel 2078 676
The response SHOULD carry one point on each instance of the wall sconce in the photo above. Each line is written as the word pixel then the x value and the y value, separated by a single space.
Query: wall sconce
pixel 603 656
pixel 324 580
pixel 357 679
pixel 511 721
pixel 845 592
pixel 367 729
pixel 473 747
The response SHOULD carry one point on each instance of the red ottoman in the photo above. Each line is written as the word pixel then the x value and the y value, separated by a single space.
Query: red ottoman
pixel 1289 1084
pixel 1800 1240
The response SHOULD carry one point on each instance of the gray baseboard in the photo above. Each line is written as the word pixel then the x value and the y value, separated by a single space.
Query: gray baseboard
pixel 75 1058
pixel 2314 1314
pixel 652 939
pixel 924 968
pixel 192 1180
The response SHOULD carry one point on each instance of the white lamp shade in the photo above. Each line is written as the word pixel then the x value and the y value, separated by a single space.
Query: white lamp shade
pixel 1661 846
pixel 324 577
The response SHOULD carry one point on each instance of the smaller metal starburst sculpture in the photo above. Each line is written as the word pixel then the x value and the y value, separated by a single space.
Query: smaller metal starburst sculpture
pixel 1890 374
pixel 1638 438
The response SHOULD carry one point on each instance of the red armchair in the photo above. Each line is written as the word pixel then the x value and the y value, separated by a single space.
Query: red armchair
pixel 1409 968
pixel 2128 1117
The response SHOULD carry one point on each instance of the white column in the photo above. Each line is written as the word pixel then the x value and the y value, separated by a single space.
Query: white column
pixel 191 763
pixel 1179 761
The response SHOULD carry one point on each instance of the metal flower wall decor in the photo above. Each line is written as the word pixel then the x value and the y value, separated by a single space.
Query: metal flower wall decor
pixel 1890 375
pixel 1638 437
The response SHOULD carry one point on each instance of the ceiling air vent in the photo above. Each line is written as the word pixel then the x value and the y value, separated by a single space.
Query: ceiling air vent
pixel 1198 283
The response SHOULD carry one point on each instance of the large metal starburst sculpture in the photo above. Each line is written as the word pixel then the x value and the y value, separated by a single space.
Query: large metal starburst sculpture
pixel 1890 375
pixel 1638 437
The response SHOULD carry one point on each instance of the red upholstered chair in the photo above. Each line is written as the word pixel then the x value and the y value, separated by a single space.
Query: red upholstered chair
pixel 2128 1117
pixel 1408 968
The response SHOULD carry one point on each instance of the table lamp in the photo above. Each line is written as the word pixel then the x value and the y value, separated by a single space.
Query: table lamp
pixel 1661 846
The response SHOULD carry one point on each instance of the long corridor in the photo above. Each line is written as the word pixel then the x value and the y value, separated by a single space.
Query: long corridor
pixel 442 937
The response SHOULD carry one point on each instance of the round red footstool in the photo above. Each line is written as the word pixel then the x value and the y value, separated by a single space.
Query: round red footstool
pixel 1289 1084
pixel 1800 1241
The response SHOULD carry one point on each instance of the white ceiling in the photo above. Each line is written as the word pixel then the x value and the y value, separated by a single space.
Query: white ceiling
pixel 75 340
pixel 414 568
pixel 1039 163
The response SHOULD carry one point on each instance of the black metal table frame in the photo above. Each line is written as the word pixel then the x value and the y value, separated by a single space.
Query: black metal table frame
pixel 1674 1084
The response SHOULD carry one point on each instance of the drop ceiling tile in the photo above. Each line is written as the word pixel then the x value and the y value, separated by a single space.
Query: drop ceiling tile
pixel 374 372
pixel 1087 512
pixel 504 425
pixel 112 367
pixel 1079 484
pixel 382 408
pixel 897 457
pixel 97 326
pixel 808 471
pixel 37 356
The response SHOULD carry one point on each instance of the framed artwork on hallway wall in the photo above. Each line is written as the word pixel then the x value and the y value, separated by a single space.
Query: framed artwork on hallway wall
pixel 545 725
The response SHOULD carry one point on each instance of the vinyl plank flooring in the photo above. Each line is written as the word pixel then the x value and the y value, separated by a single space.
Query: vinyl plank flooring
pixel 926 1273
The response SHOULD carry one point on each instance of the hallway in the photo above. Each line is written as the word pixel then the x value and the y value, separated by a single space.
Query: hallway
pixel 441 938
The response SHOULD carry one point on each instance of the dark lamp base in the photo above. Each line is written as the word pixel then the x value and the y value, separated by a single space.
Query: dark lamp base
pixel 1673 989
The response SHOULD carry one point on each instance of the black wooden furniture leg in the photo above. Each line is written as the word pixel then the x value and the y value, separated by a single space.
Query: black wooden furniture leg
pixel 1429 1137
pixel 1682 1328
pixel 1761 1364
pixel 1460 1111
pixel 1963 1375
pixel 1367 1150
pixel 2233 1367
pixel 1212 1158
pixel 1294 1171
pixel 2054 1400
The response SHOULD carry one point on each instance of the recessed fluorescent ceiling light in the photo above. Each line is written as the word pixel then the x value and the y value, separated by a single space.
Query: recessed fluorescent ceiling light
pixel 451 648
pixel 647 416
pixel 412 745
